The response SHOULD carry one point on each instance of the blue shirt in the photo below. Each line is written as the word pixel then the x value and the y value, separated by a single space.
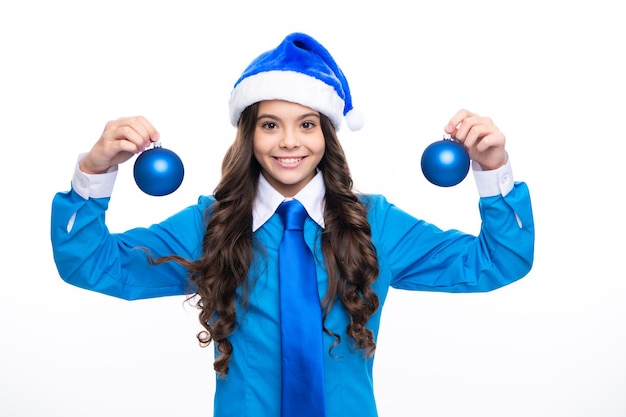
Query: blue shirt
pixel 412 255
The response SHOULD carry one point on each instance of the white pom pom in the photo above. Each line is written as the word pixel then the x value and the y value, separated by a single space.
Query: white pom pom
pixel 355 120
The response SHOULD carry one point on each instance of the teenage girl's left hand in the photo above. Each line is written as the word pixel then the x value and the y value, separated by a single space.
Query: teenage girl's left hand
pixel 480 136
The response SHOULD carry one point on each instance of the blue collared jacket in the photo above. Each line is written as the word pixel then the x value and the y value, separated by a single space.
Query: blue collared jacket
pixel 412 254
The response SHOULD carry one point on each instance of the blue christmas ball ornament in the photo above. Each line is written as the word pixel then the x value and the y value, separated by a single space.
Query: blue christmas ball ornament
pixel 158 171
pixel 445 163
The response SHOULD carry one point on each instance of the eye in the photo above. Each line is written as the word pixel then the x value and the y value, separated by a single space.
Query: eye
pixel 269 125
pixel 307 125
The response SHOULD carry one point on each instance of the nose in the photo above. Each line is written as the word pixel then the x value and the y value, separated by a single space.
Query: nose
pixel 289 139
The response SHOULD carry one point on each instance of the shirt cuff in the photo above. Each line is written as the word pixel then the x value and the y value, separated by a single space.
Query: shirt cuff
pixel 93 185
pixel 493 182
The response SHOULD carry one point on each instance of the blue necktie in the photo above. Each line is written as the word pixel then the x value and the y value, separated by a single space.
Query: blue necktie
pixel 302 369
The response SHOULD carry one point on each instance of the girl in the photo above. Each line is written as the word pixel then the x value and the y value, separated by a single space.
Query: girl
pixel 224 251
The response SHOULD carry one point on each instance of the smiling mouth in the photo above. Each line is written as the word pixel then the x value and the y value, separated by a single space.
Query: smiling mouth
pixel 289 161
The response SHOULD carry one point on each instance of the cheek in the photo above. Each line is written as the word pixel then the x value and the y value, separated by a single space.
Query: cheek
pixel 258 147
pixel 259 157
pixel 318 145
pixel 321 149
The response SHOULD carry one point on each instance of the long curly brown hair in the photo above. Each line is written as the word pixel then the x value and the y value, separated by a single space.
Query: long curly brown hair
pixel 349 254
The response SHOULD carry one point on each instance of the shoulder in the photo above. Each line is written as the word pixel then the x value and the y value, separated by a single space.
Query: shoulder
pixel 381 212
pixel 374 201
pixel 377 207
pixel 205 201
pixel 204 206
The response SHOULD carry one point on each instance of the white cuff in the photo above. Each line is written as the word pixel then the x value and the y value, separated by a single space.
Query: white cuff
pixel 493 182
pixel 93 185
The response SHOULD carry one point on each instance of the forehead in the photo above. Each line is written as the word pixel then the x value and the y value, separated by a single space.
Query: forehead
pixel 275 107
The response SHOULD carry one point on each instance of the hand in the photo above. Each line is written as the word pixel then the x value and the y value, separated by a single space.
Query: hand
pixel 482 139
pixel 120 140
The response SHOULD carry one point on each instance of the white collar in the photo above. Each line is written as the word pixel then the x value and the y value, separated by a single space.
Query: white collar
pixel 268 199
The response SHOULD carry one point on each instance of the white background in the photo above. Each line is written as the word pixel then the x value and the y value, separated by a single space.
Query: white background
pixel 550 74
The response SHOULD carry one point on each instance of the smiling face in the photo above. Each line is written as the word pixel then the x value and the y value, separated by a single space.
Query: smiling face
pixel 288 144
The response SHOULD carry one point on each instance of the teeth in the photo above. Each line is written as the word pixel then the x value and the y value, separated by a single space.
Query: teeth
pixel 289 160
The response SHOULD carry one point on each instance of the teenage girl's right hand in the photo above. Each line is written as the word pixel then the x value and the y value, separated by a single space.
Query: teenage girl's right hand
pixel 120 140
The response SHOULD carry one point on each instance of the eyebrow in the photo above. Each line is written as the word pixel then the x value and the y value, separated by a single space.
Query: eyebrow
pixel 301 117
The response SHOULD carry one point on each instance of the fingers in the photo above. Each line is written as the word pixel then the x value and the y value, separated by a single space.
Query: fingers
pixel 120 140
pixel 130 134
pixel 480 136
pixel 454 123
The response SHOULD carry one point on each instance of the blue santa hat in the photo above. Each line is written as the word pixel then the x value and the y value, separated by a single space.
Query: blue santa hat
pixel 299 70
